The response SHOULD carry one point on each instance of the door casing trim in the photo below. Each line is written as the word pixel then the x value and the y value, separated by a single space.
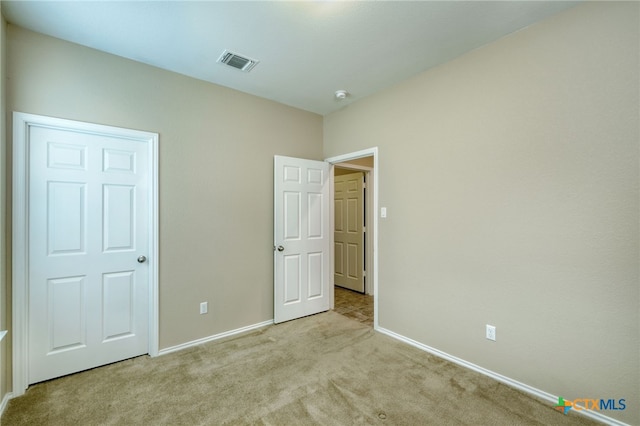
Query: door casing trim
pixel 375 174
pixel 22 122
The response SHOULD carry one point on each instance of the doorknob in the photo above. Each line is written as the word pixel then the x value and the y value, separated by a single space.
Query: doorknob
pixel 280 248
pixel 142 259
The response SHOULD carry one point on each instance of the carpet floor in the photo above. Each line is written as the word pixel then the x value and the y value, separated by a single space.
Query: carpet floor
pixel 324 369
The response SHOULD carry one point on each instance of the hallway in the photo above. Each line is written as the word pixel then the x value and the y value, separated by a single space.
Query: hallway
pixel 354 305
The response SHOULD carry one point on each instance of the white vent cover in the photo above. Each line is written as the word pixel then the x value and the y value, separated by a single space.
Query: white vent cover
pixel 237 61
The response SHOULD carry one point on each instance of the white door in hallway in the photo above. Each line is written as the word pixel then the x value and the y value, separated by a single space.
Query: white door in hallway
pixel 88 225
pixel 349 231
pixel 302 238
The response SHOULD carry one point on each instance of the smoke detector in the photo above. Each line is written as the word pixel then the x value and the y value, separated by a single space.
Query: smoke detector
pixel 237 61
pixel 341 94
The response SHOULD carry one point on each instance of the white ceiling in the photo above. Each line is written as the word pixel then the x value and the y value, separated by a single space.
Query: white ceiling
pixel 307 49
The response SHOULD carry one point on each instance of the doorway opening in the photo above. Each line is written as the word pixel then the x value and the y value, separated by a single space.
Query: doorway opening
pixel 353 294
pixel 359 303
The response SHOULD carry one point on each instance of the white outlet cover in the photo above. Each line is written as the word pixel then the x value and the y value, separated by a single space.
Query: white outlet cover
pixel 491 332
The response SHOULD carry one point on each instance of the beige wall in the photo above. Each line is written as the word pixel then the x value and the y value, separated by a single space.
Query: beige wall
pixel 5 302
pixel 511 180
pixel 510 175
pixel 216 171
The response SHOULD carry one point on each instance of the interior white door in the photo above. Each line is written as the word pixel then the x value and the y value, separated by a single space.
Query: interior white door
pixel 349 231
pixel 302 238
pixel 88 290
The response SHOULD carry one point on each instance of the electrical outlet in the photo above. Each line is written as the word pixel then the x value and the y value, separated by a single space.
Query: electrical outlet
pixel 204 307
pixel 491 332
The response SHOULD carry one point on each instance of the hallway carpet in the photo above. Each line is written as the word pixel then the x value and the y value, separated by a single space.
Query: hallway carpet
pixel 324 369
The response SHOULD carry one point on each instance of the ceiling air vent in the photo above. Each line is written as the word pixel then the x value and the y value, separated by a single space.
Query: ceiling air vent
pixel 237 61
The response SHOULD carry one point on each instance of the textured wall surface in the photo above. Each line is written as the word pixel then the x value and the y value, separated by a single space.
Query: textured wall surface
pixel 216 171
pixel 511 180
pixel 510 175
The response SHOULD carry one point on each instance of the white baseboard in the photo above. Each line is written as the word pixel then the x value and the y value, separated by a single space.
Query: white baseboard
pixel 5 401
pixel 214 337
pixel 499 377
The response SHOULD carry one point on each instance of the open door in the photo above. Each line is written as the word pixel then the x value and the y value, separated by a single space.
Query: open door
pixel 302 238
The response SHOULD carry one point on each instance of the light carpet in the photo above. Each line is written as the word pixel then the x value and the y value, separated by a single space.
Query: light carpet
pixel 323 369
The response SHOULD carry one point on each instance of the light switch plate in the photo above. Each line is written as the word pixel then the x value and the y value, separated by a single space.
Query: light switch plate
pixel 383 212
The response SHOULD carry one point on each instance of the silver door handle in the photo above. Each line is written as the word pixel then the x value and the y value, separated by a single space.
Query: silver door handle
pixel 142 259
pixel 280 248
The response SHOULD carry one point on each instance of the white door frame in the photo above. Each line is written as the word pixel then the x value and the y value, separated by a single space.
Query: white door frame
pixel 372 191
pixel 22 123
